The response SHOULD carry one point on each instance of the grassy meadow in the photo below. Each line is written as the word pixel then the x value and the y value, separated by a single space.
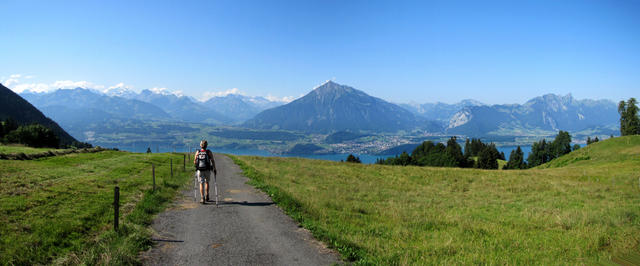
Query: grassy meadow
pixel 59 210
pixel 17 148
pixel 583 208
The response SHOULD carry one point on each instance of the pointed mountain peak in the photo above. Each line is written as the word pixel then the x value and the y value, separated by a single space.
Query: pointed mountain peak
pixel 334 89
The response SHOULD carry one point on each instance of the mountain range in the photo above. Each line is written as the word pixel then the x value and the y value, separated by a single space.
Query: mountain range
pixel 330 107
pixel 439 111
pixel 333 107
pixel 548 113
pixel 15 107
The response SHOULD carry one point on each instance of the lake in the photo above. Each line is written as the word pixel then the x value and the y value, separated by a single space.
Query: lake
pixel 365 158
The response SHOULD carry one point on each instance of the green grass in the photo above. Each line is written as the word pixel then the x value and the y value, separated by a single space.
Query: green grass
pixel 16 148
pixel 579 211
pixel 59 209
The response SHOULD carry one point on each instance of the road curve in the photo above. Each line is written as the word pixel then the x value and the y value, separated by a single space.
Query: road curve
pixel 246 229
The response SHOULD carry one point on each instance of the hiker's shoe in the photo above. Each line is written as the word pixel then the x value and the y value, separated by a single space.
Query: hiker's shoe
pixel 207 198
pixel 202 201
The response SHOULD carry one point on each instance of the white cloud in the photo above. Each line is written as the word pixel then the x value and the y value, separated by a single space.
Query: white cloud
pixel 120 85
pixel 165 91
pixel 285 99
pixel 210 94
pixel 69 84
pixel 14 83
pixel 34 87
pixel 10 82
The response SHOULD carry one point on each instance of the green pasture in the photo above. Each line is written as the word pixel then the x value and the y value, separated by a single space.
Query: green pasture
pixel 582 208
pixel 60 209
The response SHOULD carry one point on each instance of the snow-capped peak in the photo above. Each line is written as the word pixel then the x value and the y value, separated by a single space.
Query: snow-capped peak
pixel 120 90
pixel 166 92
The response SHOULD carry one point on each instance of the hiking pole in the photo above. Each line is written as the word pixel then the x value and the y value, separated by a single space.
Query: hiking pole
pixel 195 187
pixel 215 185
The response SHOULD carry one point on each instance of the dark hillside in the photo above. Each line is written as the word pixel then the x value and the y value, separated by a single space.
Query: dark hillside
pixel 14 106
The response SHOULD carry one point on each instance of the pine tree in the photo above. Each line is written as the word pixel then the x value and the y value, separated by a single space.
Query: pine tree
pixel 455 151
pixel 404 159
pixel 561 145
pixel 629 121
pixel 353 159
pixel 34 136
pixel 516 160
pixel 10 125
pixel 467 148
pixel 487 158
pixel 539 153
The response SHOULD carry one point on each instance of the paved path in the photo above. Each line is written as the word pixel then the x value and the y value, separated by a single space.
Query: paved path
pixel 246 229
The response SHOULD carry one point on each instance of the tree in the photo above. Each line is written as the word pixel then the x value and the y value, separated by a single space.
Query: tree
pixel 149 150
pixel 576 147
pixel 34 136
pixel 488 158
pixel 539 153
pixel 455 151
pixel 353 159
pixel 10 125
pixel 589 141
pixel 561 145
pixel 467 149
pixel 404 159
pixel 516 160
pixel 476 147
pixel 629 121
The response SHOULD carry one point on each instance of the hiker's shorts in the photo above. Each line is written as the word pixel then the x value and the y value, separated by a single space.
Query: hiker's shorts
pixel 203 176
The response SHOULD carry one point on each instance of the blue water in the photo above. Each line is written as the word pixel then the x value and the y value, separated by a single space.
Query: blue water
pixel 365 158
pixel 507 150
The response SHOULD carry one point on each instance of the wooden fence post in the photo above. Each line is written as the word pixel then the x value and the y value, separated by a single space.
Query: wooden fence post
pixel 116 207
pixel 153 173
pixel 184 162
pixel 171 161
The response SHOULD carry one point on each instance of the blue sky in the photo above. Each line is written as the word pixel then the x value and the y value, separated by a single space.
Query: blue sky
pixel 402 51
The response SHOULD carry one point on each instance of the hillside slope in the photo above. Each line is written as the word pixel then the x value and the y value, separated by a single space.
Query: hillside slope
pixel 584 211
pixel 620 151
pixel 14 106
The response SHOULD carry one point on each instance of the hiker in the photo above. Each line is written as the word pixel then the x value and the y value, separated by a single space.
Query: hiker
pixel 204 164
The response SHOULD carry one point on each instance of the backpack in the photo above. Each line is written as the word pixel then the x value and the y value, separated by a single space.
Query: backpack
pixel 203 162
